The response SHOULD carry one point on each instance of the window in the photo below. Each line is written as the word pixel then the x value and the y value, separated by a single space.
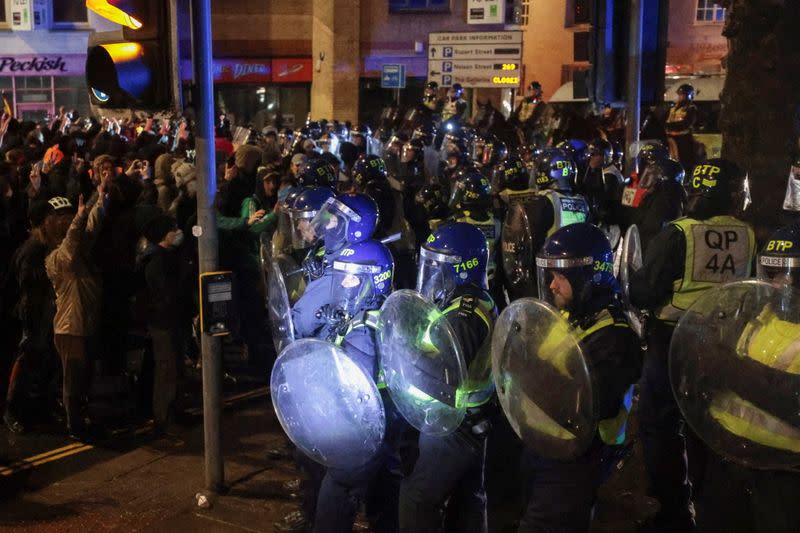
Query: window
pixel 5 24
pixel 70 14
pixel 708 11
pixel 415 6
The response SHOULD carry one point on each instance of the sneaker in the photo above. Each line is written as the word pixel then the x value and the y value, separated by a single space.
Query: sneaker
pixel 294 522
pixel 12 423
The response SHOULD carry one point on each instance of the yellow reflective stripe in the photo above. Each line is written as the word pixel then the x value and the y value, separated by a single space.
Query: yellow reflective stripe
pixel 744 419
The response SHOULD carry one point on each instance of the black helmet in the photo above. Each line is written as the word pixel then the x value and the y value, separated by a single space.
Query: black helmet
pixel 711 187
pixel 412 151
pixel 471 190
pixel 432 86
pixel 779 260
pixel 432 199
pixel 511 173
pixel 367 169
pixel 425 133
pixel 662 170
pixel 458 90
pixel 649 152
pixel 688 90
pixel 602 148
pixel 314 129
pixel 555 170
pixel 494 151
pixel 317 173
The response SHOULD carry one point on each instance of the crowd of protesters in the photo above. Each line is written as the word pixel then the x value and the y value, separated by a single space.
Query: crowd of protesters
pixel 97 259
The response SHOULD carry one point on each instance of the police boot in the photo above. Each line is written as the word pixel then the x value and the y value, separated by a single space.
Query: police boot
pixel 294 522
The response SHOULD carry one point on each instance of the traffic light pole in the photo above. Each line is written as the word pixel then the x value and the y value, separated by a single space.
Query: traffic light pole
pixel 208 251
pixel 634 89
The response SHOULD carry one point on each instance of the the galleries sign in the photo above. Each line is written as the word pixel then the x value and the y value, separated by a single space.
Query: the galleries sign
pixel 43 65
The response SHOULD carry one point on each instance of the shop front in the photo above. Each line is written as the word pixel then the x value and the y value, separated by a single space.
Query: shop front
pixel 36 85
pixel 262 92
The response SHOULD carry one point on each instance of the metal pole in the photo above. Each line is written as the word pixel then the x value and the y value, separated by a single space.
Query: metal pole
pixel 634 89
pixel 207 221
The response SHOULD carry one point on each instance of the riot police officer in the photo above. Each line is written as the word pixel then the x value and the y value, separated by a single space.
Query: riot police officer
pixel 654 197
pixel 430 98
pixel 705 249
pixel 601 184
pixel 429 211
pixel 348 219
pixel 362 279
pixel 317 173
pixel 471 202
pixel 530 221
pixel 679 126
pixel 575 276
pixel 738 391
pixel 452 274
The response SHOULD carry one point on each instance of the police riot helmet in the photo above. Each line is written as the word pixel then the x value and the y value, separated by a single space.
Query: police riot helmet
pixel 555 170
pixel 471 191
pixel 779 260
pixel 711 188
pixel 425 132
pixel 494 151
pixel 431 88
pixel 603 148
pixel 455 254
pixel 582 254
pixel 361 276
pixel 314 129
pixel 302 212
pixel 663 170
pixel 368 168
pixel 648 152
pixel 432 198
pixel 510 173
pixel 345 219
pixel 576 149
pixel 457 90
pixel 317 173
pixel 688 90
pixel 477 144
pixel 412 152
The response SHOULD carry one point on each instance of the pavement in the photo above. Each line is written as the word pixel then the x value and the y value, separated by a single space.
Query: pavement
pixel 134 480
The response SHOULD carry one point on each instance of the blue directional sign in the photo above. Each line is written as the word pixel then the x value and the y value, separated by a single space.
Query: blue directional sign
pixel 447 66
pixel 447 51
pixel 393 76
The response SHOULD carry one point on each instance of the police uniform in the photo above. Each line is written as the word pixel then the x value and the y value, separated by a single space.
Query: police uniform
pixel 376 483
pixel 650 209
pixel 546 209
pixel 688 257
pixel 561 494
pixel 679 125
pixel 450 469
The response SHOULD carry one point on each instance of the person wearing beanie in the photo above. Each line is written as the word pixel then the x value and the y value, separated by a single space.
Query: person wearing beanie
pixel 35 310
pixel 169 284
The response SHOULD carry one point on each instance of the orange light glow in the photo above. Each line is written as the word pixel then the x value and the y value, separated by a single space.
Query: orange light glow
pixel 112 13
pixel 121 52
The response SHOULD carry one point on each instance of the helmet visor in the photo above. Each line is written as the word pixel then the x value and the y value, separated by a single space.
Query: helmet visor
pixel 434 281
pixel 779 271
pixel 352 286
pixel 332 223
pixel 456 196
pixel 303 235
pixel 557 277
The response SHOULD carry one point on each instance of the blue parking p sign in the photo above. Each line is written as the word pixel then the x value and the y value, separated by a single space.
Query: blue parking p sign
pixel 393 77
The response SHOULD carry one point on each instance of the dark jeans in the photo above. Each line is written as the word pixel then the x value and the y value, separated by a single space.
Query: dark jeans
pixel 76 369
pixel 34 366
pixel 252 316
pixel 560 495
pixel 663 430
pixel 449 470
pixel 746 500
pixel 375 483
pixel 167 359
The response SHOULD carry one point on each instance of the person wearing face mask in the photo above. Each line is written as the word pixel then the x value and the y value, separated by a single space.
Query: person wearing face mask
pixel 169 283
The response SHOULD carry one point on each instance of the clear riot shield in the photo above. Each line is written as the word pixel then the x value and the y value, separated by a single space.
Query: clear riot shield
pixel 542 380
pixel 518 253
pixel 422 363
pixel 279 308
pixel 734 364
pixel 327 404
pixel 293 277
pixel 630 260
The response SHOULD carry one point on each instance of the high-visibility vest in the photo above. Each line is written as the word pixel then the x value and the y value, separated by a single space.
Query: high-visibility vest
pixel 775 343
pixel 566 209
pixel 479 386
pixel 718 250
